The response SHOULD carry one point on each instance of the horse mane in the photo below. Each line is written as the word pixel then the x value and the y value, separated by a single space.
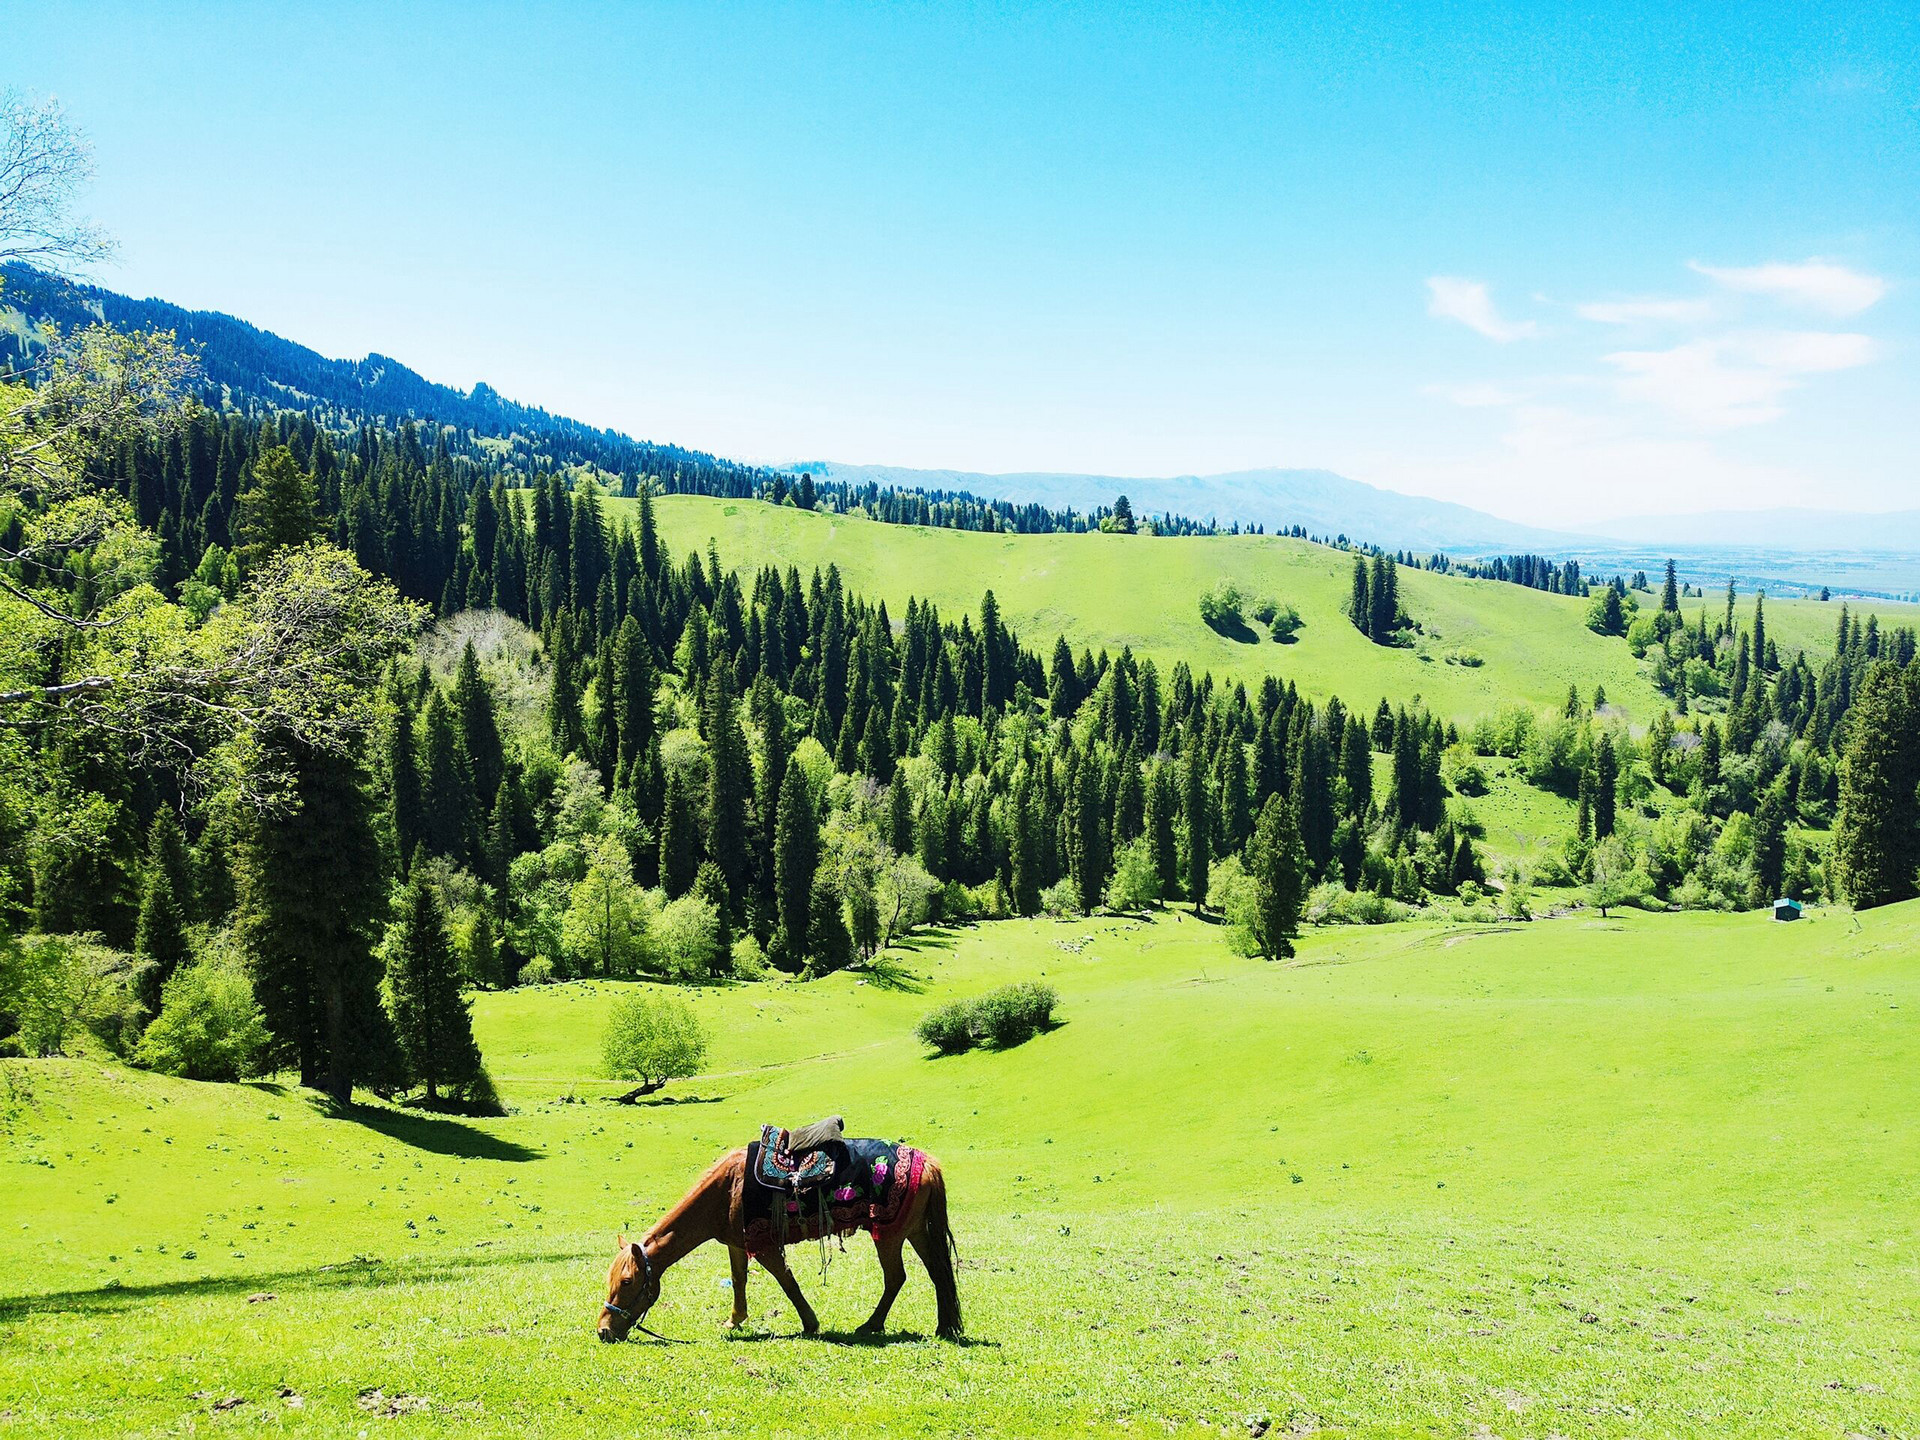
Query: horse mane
pixel 716 1174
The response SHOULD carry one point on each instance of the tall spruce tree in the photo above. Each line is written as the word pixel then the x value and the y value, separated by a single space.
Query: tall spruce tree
pixel 277 510
pixel 680 851
pixel 479 726
pixel 449 812
pixel 310 889
pixel 796 856
pixel 1876 841
pixel 1193 809
pixel 1276 862
pixel 729 783
pixel 1360 599
pixel 1606 780
pixel 160 936
pixel 1163 805
pixel 422 992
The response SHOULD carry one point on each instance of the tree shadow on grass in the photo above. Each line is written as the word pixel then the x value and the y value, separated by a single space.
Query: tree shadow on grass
pixel 434 1133
pixel 1232 627
pixel 886 974
pixel 653 1100
pixel 358 1273
pixel 927 937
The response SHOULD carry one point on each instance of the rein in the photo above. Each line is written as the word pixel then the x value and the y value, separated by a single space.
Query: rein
pixel 633 1320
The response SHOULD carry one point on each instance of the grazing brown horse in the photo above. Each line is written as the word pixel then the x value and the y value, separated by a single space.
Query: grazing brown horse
pixel 715 1209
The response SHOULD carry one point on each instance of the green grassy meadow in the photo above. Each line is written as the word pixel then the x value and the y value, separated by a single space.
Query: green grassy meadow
pixel 1647 1176
pixel 1119 590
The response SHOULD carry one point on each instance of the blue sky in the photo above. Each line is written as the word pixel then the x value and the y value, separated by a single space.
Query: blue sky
pixel 1587 262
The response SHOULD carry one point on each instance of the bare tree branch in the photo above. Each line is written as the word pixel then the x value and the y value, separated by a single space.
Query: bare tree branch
pixel 44 163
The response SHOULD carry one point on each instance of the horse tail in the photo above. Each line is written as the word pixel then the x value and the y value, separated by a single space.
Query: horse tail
pixel 941 1253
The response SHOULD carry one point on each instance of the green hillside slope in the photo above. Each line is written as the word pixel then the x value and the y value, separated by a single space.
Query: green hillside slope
pixel 1646 1176
pixel 1117 590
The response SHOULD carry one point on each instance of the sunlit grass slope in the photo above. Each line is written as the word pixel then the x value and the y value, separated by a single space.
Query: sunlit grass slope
pixel 1116 590
pixel 1652 1176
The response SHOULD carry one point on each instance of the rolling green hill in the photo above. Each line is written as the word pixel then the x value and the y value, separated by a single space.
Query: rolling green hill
pixel 1116 590
pixel 1646 1176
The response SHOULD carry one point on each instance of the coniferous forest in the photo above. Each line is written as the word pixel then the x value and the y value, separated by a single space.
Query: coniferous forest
pixel 273 679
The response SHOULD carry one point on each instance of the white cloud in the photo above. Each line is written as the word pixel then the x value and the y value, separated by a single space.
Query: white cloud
pixel 1735 380
pixel 1804 352
pixel 1815 284
pixel 1630 312
pixel 1475 395
pixel 1449 297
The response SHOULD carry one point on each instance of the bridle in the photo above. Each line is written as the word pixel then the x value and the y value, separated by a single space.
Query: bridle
pixel 634 1321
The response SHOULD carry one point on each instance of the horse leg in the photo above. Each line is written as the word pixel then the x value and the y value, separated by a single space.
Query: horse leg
pixel 894 1273
pixel 739 1259
pixel 932 1239
pixel 776 1266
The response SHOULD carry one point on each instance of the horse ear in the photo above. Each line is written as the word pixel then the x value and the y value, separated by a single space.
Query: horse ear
pixel 620 1241
pixel 639 1254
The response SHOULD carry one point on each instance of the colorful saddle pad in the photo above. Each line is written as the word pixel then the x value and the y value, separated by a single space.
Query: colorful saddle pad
pixel 869 1187
pixel 781 1169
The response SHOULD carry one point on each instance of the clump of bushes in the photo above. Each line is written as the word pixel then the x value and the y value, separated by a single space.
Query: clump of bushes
pixel 209 1028
pixel 1222 606
pixel 1002 1018
pixel 537 971
pixel 1281 619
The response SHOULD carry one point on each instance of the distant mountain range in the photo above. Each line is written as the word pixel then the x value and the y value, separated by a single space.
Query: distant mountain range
pixel 1325 503
pixel 1786 528
pixel 245 365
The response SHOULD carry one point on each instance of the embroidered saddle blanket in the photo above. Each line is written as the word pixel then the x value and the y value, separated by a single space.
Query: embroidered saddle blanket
pixel 842 1187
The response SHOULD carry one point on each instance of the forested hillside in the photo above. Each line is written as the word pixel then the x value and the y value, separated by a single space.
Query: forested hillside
pixel 314 716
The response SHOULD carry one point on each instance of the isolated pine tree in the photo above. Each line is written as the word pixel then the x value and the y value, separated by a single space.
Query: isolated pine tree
pixel 422 992
pixel 1276 862
pixel 1360 599
pixel 1384 592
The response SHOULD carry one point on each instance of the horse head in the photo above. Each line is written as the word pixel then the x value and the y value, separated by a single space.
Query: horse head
pixel 633 1285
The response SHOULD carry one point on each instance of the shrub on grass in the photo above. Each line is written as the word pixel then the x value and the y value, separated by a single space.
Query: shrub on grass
pixel 1221 606
pixel 1013 1013
pixel 54 988
pixel 652 1039
pixel 1003 1018
pixel 537 971
pixel 948 1030
pixel 1061 899
pixel 209 1027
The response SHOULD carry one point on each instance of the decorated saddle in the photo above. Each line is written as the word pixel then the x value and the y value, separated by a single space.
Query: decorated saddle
pixel 814 1184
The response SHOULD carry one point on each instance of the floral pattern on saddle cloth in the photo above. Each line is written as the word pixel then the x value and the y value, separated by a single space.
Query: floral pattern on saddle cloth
pixel 875 1194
